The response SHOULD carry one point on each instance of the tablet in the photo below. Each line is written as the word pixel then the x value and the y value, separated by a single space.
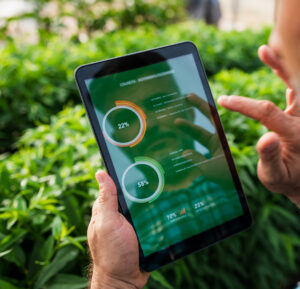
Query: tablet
pixel 162 142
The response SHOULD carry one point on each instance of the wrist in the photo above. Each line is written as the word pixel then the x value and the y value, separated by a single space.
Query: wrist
pixel 103 281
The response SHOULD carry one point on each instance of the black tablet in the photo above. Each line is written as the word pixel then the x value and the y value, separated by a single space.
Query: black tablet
pixel 162 142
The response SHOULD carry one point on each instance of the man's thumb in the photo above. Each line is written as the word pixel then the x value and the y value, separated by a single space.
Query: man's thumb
pixel 108 200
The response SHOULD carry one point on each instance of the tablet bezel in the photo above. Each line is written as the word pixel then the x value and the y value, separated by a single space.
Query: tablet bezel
pixel 128 62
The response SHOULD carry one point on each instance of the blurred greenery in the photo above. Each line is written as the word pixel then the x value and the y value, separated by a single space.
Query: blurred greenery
pixel 47 188
pixel 36 81
pixel 49 155
pixel 94 17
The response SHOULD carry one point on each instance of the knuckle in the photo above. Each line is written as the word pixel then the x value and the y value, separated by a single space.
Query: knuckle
pixel 268 108
pixel 102 226
pixel 102 198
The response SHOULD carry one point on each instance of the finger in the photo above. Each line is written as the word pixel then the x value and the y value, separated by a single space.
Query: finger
pixel 267 55
pixel 293 103
pixel 271 168
pixel 195 131
pixel 264 111
pixel 290 96
pixel 107 200
pixel 200 103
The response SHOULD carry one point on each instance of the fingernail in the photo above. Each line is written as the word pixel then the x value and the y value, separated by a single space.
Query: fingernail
pixel 264 46
pixel 222 98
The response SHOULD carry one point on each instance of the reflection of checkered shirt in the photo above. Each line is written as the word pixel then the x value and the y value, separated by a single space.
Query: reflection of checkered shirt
pixel 214 206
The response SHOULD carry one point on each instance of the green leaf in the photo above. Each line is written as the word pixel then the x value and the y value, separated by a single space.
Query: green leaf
pixel 48 248
pixel 158 277
pixel 61 259
pixel 73 241
pixel 20 203
pixel 5 252
pixel 73 212
pixel 67 281
pixel 11 223
pixel 6 285
pixel 57 227
pixel 36 255
pixel 285 214
pixel 16 256
pixel 9 240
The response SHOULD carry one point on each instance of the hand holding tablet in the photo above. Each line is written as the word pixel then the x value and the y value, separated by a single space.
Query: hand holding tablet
pixel 112 242
pixel 162 142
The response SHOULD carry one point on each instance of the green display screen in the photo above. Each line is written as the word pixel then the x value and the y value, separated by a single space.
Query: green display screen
pixel 166 151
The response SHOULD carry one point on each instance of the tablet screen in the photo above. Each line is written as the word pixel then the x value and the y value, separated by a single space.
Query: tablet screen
pixel 168 157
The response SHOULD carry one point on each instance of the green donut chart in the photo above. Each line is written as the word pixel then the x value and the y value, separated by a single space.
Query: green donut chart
pixel 143 181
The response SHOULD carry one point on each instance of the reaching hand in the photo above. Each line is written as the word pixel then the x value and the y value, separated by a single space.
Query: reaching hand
pixel 113 243
pixel 279 151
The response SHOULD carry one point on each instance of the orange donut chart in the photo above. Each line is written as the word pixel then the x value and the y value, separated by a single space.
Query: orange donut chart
pixel 125 104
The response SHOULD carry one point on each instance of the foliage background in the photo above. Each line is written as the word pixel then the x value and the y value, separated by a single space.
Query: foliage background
pixel 49 155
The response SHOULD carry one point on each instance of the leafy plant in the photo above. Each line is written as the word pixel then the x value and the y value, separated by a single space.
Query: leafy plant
pixel 46 195
pixel 47 189
pixel 36 81
pixel 91 17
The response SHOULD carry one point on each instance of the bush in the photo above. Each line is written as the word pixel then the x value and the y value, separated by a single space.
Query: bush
pixel 91 17
pixel 37 80
pixel 48 186
pixel 46 195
